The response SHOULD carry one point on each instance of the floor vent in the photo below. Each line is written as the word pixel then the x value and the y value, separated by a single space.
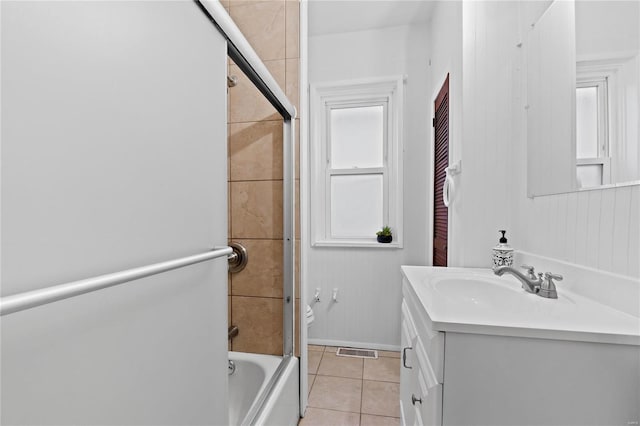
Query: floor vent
pixel 357 353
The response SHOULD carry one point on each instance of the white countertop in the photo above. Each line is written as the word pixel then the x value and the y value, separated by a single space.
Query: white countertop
pixel 499 306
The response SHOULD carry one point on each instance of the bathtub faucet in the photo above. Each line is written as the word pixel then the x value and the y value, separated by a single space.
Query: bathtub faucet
pixel 232 367
pixel 233 331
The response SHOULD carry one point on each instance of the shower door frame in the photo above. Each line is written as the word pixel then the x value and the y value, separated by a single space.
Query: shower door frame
pixel 241 52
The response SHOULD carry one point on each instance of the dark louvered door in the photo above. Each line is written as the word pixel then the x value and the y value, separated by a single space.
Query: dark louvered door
pixel 441 155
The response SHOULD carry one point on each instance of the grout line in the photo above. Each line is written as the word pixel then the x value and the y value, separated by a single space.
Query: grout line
pixel 340 377
pixel 254 180
pixel 256 297
pixel 312 383
pixel 259 239
pixel 319 362
pixel 362 390
pixel 256 121
pixel 381 381
pixel 338 411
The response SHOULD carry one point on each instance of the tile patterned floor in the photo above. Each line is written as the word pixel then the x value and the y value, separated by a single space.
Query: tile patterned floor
pixel 352 391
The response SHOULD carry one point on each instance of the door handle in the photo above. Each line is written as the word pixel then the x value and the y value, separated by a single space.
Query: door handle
pixel 447 190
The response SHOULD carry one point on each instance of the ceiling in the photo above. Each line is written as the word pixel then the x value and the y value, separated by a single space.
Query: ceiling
pixel 340 16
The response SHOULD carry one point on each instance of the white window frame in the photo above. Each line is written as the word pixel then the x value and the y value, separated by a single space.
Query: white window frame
pixel 324 97
pixel 589 70
pixel 603 159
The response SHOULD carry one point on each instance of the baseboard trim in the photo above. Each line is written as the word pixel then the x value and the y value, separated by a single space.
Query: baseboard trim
pixel 350 344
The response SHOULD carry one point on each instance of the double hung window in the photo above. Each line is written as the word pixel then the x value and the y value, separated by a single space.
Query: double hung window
pixel 592 141
pixel 356 162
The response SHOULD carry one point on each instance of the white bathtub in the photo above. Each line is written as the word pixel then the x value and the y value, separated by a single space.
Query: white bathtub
pixel 249 391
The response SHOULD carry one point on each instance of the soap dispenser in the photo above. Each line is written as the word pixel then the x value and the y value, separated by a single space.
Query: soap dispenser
pixel 502 253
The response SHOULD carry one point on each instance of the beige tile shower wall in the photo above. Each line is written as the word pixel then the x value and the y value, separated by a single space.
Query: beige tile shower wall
pixel 256 173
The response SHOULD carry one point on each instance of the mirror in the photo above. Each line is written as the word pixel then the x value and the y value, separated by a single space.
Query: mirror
pixel 583 96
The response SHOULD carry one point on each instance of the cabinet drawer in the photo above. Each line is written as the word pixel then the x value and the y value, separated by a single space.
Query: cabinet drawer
pixel 432 340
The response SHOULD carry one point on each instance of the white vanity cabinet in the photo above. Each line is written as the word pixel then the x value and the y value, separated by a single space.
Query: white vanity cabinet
pixel 455 372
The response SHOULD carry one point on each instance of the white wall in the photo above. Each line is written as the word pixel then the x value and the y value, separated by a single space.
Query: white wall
pixel 368 311
pixel 598 228
pixel 606 28
pixel 113 157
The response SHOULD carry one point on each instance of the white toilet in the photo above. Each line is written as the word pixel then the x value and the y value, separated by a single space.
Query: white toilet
pixel 310 316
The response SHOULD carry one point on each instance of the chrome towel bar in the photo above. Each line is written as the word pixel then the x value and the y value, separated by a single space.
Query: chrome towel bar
pixel 30 299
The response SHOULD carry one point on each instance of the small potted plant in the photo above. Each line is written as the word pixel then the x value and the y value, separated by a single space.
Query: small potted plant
pixel 384 236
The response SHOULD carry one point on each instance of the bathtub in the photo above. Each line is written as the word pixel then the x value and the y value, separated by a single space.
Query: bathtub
pixel 263 390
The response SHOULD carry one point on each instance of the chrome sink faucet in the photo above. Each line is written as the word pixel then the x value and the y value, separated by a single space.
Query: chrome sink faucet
pixel 543 287
pixel 530 282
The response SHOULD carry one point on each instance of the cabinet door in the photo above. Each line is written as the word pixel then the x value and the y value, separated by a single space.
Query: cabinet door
pixel 420 387
pixel 429 406
pixel 408 370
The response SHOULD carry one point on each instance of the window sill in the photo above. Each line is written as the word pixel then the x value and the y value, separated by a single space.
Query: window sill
pixel 358 243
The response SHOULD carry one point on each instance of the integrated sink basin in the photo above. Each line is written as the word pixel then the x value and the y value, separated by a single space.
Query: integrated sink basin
pixel 486 291
pixel 476 290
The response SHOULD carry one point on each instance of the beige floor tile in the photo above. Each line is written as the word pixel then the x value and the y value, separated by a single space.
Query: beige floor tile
pixel 340 366
pixel 337 393
pixel 315 348
pixel 313 361
pixel 333 349
pixel 369 420
pixel 320 417
pixel 382 369
pixel 310 380
pixel 389 354
pixel 381 398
